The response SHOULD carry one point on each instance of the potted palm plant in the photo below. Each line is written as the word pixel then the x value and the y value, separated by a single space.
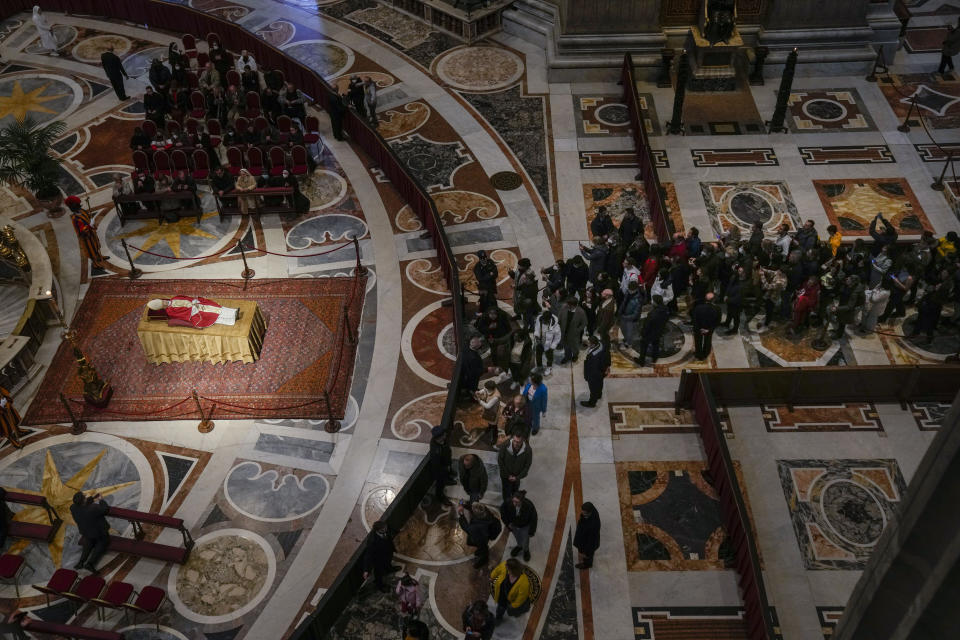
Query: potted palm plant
pixel 25 161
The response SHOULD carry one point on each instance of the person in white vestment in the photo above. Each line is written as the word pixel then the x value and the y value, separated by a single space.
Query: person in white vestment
pixel 47 38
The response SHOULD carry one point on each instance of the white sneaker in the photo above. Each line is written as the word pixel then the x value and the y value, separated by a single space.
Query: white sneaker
pixel 548 371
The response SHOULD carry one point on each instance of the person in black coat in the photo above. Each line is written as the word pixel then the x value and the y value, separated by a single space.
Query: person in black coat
pixel 478 621
pixel 481 527
pixel 485 271
pixel 520 516
pixel 652 331
pixel 440 458
pixel 378 558
pixel 734 295
pixel 91 519
pixel 472 369
pixel 601 225
pixel 706 318
pixel 115 72
pixel 596 366
pixel 159 76
pixel 586 538
pixel 630 228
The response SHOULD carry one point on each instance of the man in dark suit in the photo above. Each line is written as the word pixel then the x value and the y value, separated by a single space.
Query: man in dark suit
pixel 91 518
pixel 378 558
pixel 115 72
pixel 706 318
pixel 652 332
pixel 596 366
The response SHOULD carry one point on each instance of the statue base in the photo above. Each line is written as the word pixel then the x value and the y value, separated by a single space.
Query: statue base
pixel 101 400
pixel 713 67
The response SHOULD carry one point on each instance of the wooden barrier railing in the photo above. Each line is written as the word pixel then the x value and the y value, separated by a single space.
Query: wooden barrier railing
pixel 181 19
pixel 703 391
pixel 659 216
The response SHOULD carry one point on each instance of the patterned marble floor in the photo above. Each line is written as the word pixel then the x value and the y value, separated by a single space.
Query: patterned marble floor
pixel 283 504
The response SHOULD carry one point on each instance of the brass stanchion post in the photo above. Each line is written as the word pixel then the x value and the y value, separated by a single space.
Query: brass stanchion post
pixel 360 270
pixel 206 425
pixel 247 271
pixel 333 425
pixel 78 425
pixel 134 271
pixel 905 127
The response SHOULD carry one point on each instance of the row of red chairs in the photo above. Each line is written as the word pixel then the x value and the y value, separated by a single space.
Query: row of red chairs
pixel 94 590
pixel 215 131
pixel 176 160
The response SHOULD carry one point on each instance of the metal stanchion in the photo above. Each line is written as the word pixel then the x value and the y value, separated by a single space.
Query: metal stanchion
pixel 360 270
pixel 134 272
pixel 78 425
pixel 247 272
pixel 206 425
pixel 351 335
pixel 333 425
pixel 938 183
pixel 905 127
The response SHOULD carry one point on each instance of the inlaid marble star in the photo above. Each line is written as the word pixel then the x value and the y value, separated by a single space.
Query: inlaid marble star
pixel 19 103
pixel 59 495
pixel 169 232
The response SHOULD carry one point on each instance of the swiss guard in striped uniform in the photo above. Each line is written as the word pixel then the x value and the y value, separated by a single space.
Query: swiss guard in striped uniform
pixel 9 419
pixel 86 234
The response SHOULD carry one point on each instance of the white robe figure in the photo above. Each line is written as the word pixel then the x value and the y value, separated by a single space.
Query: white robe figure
pixel 47 39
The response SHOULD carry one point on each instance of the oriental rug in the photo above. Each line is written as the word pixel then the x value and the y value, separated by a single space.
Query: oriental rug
pixel 307 354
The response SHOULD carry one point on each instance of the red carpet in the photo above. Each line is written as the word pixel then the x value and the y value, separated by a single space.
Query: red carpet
pixel 304 348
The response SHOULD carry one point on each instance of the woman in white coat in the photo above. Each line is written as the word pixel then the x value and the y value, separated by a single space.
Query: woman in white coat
pixel 47 39
pixel 546 336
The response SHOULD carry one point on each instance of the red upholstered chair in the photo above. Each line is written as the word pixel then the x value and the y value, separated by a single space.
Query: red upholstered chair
pixel 84 591
pixel 150 128
pixel 140 161
pixel 201 165
pixel 202 59
pixel 299 167
pixel 198 105
pixel 312 135
pixel 189 45
pixel 261 124
pixel 233 78
pixel 253 104
pixel 213 37
pixel 235 159
pixel 191 126
pixel 62 580
pixel 173 127
pixel 283 123
pixel 193 81
pixel 149 600
pixel 179 159
pixel 162 163
pixel 10 567
pixel 280 74
pixel 213 128
pixel 241 124
pixel 113 597
pixel 255 161
pixel 278 161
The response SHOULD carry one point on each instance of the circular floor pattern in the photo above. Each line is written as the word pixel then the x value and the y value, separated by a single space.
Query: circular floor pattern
pixel 824 110
pixel 854 514
pixel 229 572
pixel 613 114
pixel 41 96
pixel 329 59
pixel 479 68
pixel 90 49
pixel 264 495
pixel 506 180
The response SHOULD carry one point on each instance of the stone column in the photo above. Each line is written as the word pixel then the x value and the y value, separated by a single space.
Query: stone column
pixel 910 588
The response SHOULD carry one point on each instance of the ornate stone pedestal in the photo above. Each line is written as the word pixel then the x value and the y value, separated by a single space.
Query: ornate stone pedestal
pixel 713 67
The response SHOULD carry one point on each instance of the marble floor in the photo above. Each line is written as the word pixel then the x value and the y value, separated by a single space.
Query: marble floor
pixel 282 504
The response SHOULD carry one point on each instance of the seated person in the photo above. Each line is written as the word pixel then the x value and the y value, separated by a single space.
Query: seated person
pixel 144 183
pixel 252 136
pixel 250 80
pixel 187 311
pixel 184 182
pixel 139 140
pixel 231 138
pixel 123 187
pixel 222 182
pixel 155 105
pixel 169 208
pixel 270 104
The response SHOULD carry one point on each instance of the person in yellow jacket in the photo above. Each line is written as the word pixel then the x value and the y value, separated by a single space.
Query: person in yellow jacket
pixel 511 589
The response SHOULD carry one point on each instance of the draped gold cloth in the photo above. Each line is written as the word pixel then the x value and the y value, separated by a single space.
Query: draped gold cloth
pixel 218 343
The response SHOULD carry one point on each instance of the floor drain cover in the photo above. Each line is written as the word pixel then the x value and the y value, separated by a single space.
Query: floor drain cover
pixel 506 180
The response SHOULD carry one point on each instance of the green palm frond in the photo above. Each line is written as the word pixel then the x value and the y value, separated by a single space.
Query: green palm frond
pixel 25 155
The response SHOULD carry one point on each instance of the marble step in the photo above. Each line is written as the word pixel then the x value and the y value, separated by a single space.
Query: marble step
pixel 13 300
